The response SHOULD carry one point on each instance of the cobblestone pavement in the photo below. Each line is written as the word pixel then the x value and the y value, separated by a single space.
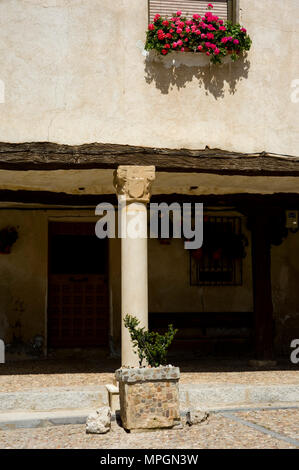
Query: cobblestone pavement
pixel 218 432
pixel 285 422
pixel 73 372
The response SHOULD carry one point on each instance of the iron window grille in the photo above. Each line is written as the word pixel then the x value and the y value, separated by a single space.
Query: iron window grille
pixel 219 261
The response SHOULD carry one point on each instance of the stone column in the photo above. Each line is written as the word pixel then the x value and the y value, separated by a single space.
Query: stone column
pixel 133 188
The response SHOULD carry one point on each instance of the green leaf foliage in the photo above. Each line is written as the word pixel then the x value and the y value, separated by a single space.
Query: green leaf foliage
pixel 150 346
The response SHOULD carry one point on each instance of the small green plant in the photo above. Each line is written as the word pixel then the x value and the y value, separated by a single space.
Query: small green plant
pixel 150 345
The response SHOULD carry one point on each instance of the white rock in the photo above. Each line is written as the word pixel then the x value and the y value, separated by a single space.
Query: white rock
pixel 99 422
pixel 196 416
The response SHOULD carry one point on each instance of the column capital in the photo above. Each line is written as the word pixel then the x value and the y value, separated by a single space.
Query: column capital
pixel 134 182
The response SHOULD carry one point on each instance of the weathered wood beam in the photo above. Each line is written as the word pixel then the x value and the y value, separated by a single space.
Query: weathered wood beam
pixel 51 156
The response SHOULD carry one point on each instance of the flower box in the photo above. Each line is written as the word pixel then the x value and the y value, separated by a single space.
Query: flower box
pixel 149 397
pixel 207 34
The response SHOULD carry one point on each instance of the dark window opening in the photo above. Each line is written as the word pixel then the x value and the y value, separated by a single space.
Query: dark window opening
pixel 219 260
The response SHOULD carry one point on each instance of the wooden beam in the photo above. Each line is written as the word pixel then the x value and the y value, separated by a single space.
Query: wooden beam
pixel 50 156
pixel 262 290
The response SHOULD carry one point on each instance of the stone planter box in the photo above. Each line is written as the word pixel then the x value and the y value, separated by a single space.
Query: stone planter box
pixel 149 397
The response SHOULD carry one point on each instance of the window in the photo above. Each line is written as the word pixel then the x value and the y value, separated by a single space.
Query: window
pixel 219 261
pixel 225 9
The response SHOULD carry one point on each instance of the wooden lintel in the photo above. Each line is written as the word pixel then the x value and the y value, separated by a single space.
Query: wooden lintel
pixel 51 156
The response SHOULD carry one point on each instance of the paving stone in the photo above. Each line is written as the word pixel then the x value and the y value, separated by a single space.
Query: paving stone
pixel 218 433
pixel 26 375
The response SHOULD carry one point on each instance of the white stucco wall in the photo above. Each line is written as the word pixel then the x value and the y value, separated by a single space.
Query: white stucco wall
pixel 74 72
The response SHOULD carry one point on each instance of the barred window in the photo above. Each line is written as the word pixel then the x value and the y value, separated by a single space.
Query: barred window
pixel 219 261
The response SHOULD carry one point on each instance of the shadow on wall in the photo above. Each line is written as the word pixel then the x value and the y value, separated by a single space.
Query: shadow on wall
pixel 178 69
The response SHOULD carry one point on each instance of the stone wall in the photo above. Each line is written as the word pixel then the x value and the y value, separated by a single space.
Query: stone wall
pixel 149 397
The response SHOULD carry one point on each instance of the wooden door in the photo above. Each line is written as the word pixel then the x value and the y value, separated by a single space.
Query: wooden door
pixel 78 297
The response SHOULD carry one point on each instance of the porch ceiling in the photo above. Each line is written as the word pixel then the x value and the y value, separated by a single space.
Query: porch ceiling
pixel 100 182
